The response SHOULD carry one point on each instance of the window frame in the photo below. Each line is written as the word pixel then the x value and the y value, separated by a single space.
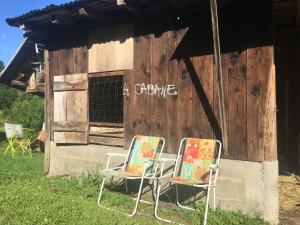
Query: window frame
pixel 106 74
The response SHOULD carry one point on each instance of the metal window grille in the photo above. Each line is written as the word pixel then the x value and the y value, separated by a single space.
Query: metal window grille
pixel 106 99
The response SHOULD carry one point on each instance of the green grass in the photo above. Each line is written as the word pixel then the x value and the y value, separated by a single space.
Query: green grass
pixel 27 197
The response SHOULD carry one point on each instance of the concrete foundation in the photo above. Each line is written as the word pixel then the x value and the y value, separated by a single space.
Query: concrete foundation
pixel 250 187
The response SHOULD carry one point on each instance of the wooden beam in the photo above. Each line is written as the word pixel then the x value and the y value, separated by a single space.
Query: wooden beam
pixel 106 141
pixel 106 124
pixel 91 13
pixel 98 14
pixel 69 126
pixel 18 83
pixel 121 2
pixel 48 97
pixel 36 90
pixel 106 130
pixel 64 22
pixel 107 74
pixel 83 12
pixel 218 69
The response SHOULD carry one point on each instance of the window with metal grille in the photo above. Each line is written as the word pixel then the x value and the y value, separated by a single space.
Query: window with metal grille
pixel 106 99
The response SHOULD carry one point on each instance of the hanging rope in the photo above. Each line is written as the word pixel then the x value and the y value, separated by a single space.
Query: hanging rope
pixel 218 67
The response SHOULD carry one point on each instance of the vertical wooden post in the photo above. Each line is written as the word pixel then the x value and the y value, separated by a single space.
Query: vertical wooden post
pixel 218 65
pixel 298 13
pixel 47 110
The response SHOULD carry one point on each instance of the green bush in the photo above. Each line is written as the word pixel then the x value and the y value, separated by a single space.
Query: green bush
pixel 19 107
pixel 28 111
pixel 7 97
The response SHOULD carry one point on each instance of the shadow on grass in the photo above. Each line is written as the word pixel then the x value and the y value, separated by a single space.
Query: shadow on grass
pixel 2 136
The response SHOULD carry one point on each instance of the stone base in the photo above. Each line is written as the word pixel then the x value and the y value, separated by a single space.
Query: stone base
pixel 249 187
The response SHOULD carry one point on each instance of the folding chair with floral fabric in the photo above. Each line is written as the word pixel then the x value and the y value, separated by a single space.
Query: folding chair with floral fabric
pixel 139 164
pixel 198 161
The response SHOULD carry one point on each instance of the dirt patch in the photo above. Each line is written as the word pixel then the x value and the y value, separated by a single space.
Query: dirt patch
pixel 289 199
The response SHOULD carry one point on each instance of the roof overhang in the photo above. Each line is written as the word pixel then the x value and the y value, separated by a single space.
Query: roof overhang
pixel 97 9
pixel 20 62
pixel 88 14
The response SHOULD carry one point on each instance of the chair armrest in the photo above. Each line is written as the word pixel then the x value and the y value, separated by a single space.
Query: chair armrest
pixel 114 168
pixel 152 160
pixel 111 154
pixel 162 162
pixel 167 159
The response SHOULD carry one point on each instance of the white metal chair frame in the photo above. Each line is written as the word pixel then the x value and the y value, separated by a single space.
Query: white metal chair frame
pixel 150 176
pixel 214 170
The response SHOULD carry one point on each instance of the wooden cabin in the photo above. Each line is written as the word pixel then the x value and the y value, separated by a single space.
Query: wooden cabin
pixel 118 68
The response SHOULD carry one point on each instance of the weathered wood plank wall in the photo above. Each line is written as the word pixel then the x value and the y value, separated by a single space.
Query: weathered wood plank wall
pixel 66 62
pixel 183 59
pixel 249 89
pixel 110 49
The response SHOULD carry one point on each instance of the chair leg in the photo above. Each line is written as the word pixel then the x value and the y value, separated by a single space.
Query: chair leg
pixel 153 189
pixel 214 190
pixel 7 148
pixel 101 190
pixel 177 195
pixel 178 203
pixel 138 198
pixel 126 185
pixel 206 207
pixel 158 186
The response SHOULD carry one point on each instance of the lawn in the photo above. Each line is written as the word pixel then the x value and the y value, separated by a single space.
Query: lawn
pixel 28 197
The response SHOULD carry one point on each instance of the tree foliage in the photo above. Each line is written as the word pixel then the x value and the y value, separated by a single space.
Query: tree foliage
pixel 28 111
pixel 7 97
pixel 1 65
pixel 19 107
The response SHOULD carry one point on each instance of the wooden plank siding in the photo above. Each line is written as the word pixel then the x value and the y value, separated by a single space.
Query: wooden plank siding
pixel 158 119
pixel 205 73
pixel 48 102
pixel 54 65
pixel 249 95
pixel 141 74
pixel 70 61
pixel 183 58
pixel 111 49
pixel 172 102
pixel 261 104
pixel 127 108
pixel 237 105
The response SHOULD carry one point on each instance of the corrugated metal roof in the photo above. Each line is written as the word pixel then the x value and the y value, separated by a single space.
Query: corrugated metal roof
pixel 49 8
